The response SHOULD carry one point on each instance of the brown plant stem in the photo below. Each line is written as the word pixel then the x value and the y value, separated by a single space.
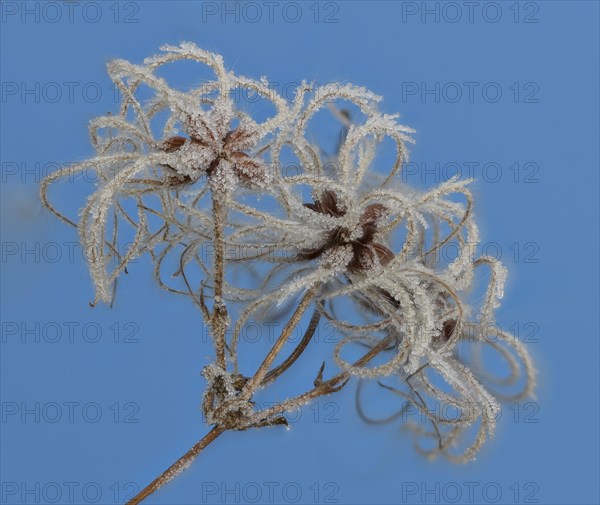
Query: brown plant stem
pixel 321 387
pixel 298 350
pixel 219 318
pixel 176 468
pixel 254 383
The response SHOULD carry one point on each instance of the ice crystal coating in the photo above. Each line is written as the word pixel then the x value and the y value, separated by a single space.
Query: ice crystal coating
pixel 342 230
pixel 196 141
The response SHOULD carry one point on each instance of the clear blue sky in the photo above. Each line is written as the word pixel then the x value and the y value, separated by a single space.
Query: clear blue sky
pixel 509 89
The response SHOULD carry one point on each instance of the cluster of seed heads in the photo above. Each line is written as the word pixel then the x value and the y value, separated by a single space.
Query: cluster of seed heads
pixel 354 246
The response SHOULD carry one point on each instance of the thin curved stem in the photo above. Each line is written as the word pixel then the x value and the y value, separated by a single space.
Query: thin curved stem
pixel 176 468
pixel 254 383
pixel 297 352
pixel 322 388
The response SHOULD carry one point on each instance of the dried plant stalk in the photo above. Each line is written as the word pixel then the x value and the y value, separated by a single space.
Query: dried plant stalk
pixel 362 253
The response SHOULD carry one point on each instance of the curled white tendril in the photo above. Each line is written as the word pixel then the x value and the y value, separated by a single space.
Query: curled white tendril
pixel 343 227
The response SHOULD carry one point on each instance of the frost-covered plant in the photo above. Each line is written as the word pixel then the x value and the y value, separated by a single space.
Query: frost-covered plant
pixel 341 238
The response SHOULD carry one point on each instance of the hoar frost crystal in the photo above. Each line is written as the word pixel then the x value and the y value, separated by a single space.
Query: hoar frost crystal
pixel 353 246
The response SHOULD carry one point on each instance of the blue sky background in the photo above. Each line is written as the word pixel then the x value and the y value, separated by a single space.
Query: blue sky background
pixel 110 413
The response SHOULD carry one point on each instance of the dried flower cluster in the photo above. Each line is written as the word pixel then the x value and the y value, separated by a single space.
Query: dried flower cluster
pixel 352 245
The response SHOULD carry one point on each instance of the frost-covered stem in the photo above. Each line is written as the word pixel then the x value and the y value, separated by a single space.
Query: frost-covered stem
pixel 219 318
pixel 321 388
pixel 176 468
pixel 297 352
pixel 258 377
